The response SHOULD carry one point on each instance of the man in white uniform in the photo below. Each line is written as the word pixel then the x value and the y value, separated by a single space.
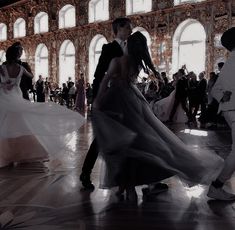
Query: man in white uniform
pixel 224 92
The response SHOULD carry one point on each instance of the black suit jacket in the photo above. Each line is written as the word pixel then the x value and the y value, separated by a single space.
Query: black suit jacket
pixel 26 83
pixel 201 89
pixel 181 88
pixel 109 51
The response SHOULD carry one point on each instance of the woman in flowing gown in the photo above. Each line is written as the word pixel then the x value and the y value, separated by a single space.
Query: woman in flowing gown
pixel 132 140
pixel 31 131
pixel 163 107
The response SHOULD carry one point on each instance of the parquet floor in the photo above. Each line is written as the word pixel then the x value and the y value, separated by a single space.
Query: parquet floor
pixel 33 197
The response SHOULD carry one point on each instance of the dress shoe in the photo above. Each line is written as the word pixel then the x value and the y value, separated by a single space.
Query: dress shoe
pixel 131 195
pixel 219 194
pixel 86 181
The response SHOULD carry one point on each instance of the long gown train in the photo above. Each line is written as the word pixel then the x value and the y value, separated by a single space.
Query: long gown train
pixel 126 128
pixel 32 131
pixel 163 107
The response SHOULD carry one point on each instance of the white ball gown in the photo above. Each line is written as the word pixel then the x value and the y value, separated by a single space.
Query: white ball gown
pixel 32 131
pixel 126 129
pixel 163 107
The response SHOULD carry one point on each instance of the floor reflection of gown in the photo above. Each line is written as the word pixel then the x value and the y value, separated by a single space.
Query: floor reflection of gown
pixel 163 107
pixel 126 127
pixel 32 131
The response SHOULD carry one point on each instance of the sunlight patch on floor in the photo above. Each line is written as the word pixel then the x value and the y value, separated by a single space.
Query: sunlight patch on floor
pixel 195 132
pixel 195 191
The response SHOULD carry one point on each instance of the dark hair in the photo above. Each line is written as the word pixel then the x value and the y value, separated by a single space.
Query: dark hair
pixel 18 44
pixel 12 54
pixel 181 71
pixel 120 22
pixel 138 49
pixel 220 65
pixel 228 39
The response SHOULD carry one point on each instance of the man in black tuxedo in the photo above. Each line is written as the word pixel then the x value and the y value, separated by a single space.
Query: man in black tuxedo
pixel 181 95
pixel 26 82
pixel 122 30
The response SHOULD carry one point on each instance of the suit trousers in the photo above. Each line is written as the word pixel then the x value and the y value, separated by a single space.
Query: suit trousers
pixel 229 163
pixel 91 157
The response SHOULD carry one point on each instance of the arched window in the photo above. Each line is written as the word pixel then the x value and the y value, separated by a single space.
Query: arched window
pixel 98 10
pixel 178 2
pixel 94 54
pixel 41 61
pixel 67 17
pixel 19 28
pixel 189 46
pixel 146 34
pixel 138 6
pixel 41 23
pixel 2 56
pixel 66 62
pixel 3 32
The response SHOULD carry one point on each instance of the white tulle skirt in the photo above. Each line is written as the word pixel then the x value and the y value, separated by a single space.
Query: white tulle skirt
pixel 129 134
pixel 33 131
pixel 163 107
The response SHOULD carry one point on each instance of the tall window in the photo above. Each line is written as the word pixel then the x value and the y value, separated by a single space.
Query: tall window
pixel 178 2
pixel 94 54
pixel 19 28
pixel 67 17
pixel 138 6
pixel 66 62
pixel 41 23
pixel 98 10
pixel 189 46
pixel 2 56
pixel 41 61
pixel 3 32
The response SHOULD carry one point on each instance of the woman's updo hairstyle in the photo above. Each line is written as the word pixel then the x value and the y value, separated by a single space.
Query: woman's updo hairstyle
pixel 135 44
pixel 12 54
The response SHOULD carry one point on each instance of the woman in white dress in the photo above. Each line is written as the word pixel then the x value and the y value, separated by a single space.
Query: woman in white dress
pixel 133 141
pixel 30 131
pixel 163 107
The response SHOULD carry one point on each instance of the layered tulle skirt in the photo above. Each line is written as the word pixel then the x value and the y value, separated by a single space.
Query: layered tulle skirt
pixel 163 107
pixel 127 131
pixel 34 131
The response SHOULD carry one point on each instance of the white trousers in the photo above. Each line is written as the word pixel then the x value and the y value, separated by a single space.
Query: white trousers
pixel 229 163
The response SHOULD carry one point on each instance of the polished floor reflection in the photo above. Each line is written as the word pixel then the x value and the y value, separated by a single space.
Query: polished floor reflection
pixel 38 196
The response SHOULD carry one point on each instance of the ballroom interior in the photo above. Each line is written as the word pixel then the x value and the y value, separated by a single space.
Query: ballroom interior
pixel 64 38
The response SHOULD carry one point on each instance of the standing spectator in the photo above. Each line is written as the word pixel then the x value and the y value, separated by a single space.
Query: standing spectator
pixel 64 94
pixel 89 96
pixel 70 83
pixel 47 89
pixel 193 95
pixel 40 89
pixel 80 98
pixel 71 95
pixel 202 97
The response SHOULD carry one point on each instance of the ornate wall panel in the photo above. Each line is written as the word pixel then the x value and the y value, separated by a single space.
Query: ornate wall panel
pixel 215 15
